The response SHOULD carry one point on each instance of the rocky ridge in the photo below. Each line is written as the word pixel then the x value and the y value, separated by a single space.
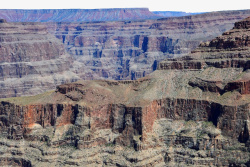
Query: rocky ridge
pixel 76 15
pixel 192 111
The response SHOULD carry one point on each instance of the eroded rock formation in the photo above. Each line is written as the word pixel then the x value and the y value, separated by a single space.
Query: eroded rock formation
pixel 191 111
pixel 32 60
pixel 132 49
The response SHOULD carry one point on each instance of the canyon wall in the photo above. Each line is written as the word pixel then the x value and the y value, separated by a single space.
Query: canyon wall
pixel 32 60
pixel 191 111
pixel 133 49
pixel 97 50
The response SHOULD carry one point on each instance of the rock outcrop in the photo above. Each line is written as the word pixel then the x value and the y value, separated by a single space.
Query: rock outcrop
pixel 76 15
pixel 32 60
pixel 192 111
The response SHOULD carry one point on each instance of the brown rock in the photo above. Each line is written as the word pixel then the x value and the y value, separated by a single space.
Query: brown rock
pixel 192 113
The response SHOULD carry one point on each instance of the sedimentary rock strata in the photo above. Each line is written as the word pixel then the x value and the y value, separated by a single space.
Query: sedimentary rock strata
pixel 185 113
pixel 32 60
pixel 133 49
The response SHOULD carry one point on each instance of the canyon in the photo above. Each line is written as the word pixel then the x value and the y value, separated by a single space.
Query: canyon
pixel 132 49
pixel 193 110
pixel 36 57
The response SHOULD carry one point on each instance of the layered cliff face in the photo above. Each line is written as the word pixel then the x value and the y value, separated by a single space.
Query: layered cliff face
pixel 132 49
pixel 191 111
pixel 32 61
pixel 76 15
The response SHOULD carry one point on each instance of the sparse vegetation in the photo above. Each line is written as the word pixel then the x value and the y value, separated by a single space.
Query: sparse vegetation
pixel 190 123
pixel 25 100
pixel 110 145
pixel 210 129
pixel 67 146
pixel 237 161
pixel 206 124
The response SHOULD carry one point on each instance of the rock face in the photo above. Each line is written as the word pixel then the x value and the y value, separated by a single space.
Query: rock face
pixel 132 49
pixel 32 61
pixel 192 111
pixel 76 15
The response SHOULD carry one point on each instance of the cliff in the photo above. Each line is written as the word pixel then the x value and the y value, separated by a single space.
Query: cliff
pixel 124 49
pixel 192 111
pixel 76 15
pixel 32 60
pixel 133 49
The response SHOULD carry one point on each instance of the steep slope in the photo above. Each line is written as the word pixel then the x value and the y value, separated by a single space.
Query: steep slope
pixel 192 111
pixel 31 60
pixel 76 15
pixel 132 49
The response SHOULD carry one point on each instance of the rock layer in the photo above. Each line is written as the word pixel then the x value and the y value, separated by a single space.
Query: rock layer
pixel 32 61
pixel 133 49
pixel 184 114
